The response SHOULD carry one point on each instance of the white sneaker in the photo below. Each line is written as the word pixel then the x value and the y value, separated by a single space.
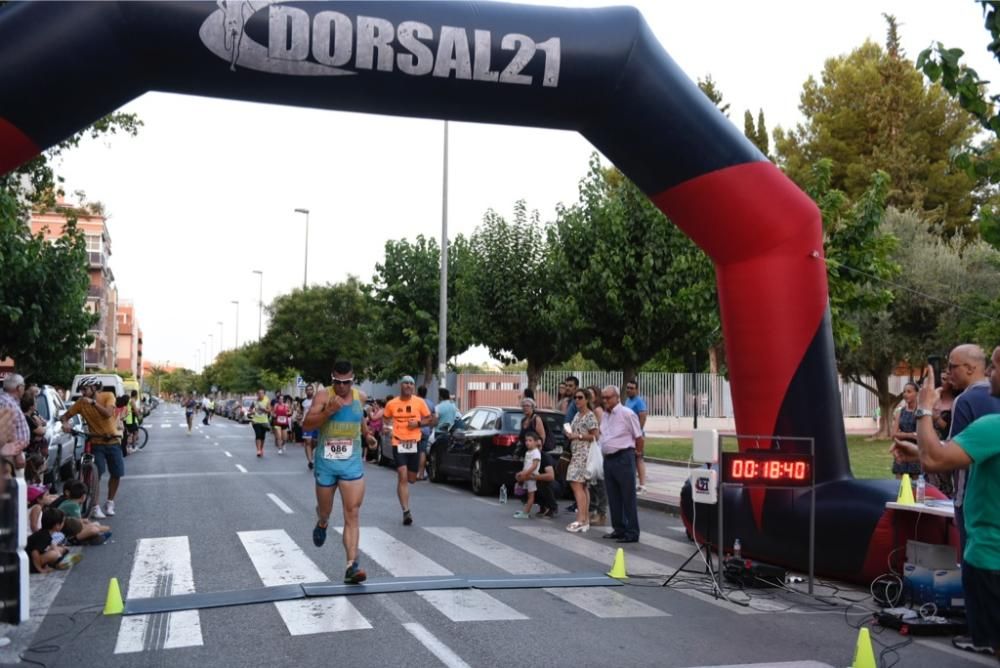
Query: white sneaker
pixel 281 451
pixel 109 508
pixel 97 514
pixel 640 489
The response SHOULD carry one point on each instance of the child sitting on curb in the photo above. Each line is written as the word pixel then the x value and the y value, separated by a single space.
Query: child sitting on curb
pixel 78 529
pixel 42 552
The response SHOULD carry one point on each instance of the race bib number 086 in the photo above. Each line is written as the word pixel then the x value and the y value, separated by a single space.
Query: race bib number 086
pixel 337 448
pixel 407 447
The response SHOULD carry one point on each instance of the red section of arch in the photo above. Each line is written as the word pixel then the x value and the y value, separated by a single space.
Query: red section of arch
pixel 765 237
pixel 15 147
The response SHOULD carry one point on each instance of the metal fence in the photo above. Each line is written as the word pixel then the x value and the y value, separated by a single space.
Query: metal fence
pixel 666 394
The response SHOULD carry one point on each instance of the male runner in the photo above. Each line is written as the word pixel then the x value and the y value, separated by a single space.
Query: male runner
pixel 309 436
pixel 407 414
pixel 261 420
pixel 190 406
pixel 98 409
pixel 338 416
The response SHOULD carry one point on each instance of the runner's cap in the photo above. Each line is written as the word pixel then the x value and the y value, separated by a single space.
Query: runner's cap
pixel 407 379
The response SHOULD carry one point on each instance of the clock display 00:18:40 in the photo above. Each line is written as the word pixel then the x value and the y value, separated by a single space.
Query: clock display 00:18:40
pixel 779 469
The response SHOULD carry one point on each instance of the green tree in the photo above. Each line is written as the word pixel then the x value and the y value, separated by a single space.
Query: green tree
pixel 633 283
pixel 182 381
pixel 923 317
pixel 43 289
pixel 871 112
pixel 757 133
pixel 712 92
pixel 405 289
pixel 236 371
pixel 510 292
pixel 311 328
pixel 858 252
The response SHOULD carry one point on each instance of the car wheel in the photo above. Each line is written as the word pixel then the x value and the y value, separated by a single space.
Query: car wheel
pixel 480 485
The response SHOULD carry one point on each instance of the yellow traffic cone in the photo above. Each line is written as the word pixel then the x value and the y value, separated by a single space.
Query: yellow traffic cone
pixel 905 491
pixel 114 605
pixel 618 568
pixel 864 655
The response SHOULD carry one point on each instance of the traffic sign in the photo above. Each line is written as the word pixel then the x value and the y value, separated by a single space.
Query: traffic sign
pixel 301 384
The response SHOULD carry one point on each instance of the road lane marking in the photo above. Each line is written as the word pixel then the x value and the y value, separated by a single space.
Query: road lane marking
pixel 681 548
pixel 605 555
pixel 281 504
pixel 161 567
pixel 401 560
pixel 164 425
pixel 241 468
pixel 444 653
pixel 228 454
pixel 280 561
pixel 599 601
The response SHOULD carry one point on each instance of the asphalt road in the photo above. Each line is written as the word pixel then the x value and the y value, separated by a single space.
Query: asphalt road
pixel 201 513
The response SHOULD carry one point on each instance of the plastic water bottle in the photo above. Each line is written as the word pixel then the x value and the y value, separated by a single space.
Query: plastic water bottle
pixel 737 549
pixel 921 489
pixel 503 493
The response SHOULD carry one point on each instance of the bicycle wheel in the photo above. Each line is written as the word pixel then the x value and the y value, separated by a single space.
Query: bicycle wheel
pixel 88 476
pixel 140 441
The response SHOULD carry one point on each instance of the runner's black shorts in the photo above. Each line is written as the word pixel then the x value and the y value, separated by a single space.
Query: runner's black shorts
pixel 132 428
pixel 260 430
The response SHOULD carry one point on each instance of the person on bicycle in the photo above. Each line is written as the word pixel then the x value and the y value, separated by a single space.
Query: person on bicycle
pixel 132 419
pixel 98 409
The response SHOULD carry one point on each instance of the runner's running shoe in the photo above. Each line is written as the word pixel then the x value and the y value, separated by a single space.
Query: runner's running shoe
pixel 354 575
pixel 319 535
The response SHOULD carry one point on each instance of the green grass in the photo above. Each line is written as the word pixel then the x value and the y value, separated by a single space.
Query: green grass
pixel 869 459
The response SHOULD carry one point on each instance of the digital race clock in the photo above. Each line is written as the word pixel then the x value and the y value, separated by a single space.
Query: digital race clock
pixel 767 467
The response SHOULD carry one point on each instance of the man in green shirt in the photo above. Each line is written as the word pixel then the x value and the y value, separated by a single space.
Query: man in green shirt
pixel 978 450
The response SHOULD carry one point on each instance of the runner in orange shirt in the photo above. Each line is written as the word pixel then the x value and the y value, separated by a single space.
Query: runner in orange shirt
pixel 408 414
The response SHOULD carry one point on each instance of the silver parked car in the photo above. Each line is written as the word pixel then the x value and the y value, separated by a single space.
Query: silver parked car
pixel 60 465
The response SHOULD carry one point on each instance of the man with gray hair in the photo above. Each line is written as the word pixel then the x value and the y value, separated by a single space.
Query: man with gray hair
pixel 10 398
pixel 620 436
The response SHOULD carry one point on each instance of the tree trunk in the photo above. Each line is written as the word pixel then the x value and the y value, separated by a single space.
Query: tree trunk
pixel 887 403
pixel 534 376
pixel 428 370
pixel 630 372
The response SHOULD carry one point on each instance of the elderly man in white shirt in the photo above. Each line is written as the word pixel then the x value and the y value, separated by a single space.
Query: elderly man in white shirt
pixel 620 436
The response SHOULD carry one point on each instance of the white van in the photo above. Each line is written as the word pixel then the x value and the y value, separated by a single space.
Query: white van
pixel 110 382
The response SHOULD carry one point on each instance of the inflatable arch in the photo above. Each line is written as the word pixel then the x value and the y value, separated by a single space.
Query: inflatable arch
pixel 599 72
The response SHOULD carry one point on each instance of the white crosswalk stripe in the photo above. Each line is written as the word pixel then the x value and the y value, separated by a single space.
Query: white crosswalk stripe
pixel 162 567
pixel 401 560
pixel 599 601
pixel 279 561
pixel 605 554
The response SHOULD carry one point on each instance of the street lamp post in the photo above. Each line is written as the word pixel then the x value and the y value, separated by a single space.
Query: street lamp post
pixel 236 336
pixel 219 323
pixel 305 272
pixel 211 346
pixel 204 354
pixel 260 301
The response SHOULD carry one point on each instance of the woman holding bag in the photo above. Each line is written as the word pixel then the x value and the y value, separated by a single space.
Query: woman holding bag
pixel 595 466
pixel 582 435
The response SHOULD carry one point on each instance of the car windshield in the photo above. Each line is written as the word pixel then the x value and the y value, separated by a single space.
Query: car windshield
pixel 247 403
pixel 42 406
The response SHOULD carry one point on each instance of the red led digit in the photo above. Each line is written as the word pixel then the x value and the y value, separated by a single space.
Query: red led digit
pixel 800 471
pixel 737 468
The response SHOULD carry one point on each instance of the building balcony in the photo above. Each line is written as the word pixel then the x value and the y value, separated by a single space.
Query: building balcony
pixel 95 291
pixel 98 260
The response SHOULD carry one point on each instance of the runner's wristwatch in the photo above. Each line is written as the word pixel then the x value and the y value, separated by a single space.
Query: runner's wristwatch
pixel 923 412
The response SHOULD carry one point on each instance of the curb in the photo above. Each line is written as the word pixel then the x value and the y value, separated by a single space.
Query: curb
pixel 657 504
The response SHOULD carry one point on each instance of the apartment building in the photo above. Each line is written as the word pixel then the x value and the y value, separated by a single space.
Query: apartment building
pixel 129 340
pixel 102 295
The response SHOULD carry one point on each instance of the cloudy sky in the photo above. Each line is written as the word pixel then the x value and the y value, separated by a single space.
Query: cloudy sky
pixel 206 194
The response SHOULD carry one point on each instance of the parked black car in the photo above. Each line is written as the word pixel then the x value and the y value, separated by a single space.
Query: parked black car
pixel 483 447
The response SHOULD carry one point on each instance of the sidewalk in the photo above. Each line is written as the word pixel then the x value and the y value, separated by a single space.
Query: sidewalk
pixel 663 486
